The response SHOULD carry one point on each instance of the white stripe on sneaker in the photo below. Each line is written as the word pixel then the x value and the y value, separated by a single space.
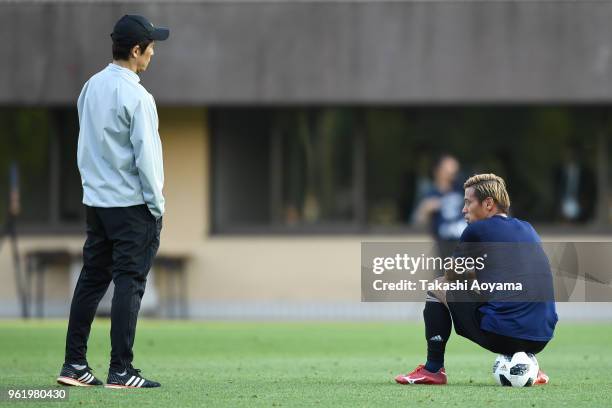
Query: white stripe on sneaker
pixel 130 380
pixel 91 378
pixel 140 382
pixel 82 378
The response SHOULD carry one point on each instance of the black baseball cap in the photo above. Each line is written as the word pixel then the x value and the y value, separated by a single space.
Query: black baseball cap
pixel 133 29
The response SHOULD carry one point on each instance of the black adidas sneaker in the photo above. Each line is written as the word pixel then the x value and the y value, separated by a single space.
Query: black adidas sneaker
pixel 130 378
pixel 80 378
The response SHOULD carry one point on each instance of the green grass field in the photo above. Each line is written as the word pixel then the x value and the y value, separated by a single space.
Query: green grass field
pixel 305 364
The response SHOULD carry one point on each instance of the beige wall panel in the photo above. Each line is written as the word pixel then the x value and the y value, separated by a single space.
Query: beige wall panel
pixel 184 139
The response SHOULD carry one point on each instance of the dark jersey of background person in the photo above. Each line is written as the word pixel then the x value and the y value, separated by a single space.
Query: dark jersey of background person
pixel 526 320
pixel 448 223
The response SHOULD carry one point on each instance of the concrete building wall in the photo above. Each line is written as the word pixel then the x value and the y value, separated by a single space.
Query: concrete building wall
pixel 237 276
pixel 286 52
pixel 321 51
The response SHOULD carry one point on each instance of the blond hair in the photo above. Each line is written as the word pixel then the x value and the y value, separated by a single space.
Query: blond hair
pixel 490 185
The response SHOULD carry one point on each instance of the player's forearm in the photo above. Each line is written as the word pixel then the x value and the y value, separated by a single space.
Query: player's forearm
pixel 421 216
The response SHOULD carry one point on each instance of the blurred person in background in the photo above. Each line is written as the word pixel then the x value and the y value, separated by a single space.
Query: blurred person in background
pixel 442 204
pixel 120 160
pixel 575 188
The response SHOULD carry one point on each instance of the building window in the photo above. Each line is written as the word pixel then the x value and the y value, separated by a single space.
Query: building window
pixel 41 144
pixel 314 164
pixel 348 169
pixel 284 168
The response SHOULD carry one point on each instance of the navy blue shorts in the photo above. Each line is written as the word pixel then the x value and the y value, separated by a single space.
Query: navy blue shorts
pixel 466 320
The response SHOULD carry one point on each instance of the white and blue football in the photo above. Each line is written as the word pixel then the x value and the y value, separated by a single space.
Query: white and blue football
pixel 518 370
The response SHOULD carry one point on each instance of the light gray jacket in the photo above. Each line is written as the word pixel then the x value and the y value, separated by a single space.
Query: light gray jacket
pixel 119 152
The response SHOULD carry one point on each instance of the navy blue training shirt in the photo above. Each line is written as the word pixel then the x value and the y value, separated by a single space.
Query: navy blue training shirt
pixel 519 319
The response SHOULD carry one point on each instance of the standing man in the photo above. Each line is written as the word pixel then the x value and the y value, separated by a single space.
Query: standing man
pixel 442 204
pixel 120 161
